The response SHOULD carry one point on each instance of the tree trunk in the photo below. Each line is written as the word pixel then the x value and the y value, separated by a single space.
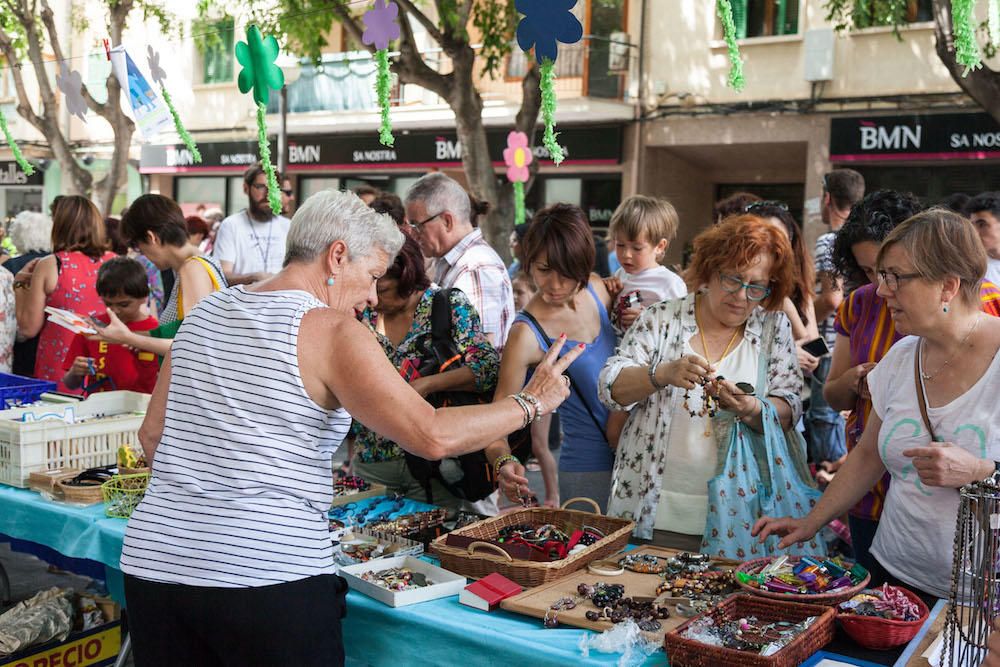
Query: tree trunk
pixel 983 84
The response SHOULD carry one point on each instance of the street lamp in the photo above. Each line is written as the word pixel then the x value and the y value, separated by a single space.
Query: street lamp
pixel 290 68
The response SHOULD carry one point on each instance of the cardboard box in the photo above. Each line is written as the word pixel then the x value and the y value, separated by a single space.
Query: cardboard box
pixel 94 648
pixel 442 582
pixel 47 481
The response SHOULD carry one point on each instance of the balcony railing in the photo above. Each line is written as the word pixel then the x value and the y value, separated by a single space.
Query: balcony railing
pixel 602 63
pixel 342 82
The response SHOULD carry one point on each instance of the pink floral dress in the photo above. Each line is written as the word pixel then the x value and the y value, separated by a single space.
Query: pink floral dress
pixel 76 291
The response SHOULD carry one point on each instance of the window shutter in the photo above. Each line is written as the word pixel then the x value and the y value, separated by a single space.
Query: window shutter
pixel 779 17
pixel 740 17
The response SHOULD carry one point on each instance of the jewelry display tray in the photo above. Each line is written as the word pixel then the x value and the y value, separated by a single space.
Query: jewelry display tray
pixel 444 583
pixel 536 601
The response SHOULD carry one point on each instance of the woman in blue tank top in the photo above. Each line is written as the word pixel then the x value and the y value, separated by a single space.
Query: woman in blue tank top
pixel 559 255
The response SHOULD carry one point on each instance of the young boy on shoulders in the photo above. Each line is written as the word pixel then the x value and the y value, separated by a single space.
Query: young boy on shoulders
pixel 642 228
pixel 95 365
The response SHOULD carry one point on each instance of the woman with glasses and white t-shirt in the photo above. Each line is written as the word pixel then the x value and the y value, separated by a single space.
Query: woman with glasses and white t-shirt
pixel 934 422
pixel 741 272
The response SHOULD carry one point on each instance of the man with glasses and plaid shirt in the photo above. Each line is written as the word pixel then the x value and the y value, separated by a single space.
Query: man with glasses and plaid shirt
pixel 439 212
pixel 250 245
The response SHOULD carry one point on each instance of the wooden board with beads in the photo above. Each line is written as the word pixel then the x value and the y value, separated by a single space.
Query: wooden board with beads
pixel 536 602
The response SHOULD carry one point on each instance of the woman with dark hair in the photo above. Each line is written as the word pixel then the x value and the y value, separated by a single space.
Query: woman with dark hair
pixel 392 206
pixel 731 325
pixel 65 279
pixel 866 331
pixel 198 231
pixel 155 225
pixel 119 246
pixel 558 251
pixel 402 323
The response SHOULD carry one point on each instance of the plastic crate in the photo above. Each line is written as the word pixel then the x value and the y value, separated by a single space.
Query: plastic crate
pixel 110 419
pixel 16 390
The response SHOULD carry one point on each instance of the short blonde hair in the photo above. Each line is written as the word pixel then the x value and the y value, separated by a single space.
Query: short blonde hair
pixel 941 244
pixel 640 215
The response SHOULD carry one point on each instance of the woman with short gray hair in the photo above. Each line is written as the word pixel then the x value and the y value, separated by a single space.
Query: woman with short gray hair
pixel 31 234
pixel 228 558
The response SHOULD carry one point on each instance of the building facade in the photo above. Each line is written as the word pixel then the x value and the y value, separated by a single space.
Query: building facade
pixel 814 100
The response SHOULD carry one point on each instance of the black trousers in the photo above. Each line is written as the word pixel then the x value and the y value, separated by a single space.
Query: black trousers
pixel 297 623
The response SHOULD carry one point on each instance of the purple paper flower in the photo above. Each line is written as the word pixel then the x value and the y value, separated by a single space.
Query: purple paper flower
pixel 381 26
pixel 517 156
pixel 70 83
pixel 156 72
pixel 545 23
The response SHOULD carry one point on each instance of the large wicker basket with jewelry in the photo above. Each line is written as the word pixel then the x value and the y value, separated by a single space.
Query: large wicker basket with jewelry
pixel 474 550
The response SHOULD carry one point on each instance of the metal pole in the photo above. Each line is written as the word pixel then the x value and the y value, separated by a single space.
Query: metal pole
pixel 283 132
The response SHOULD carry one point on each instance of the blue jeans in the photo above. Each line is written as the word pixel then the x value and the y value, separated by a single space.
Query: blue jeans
pixel 827 441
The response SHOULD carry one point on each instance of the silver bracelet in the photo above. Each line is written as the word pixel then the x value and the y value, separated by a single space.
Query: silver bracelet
pixel 524 406
pixel 652 378
pixel 533 400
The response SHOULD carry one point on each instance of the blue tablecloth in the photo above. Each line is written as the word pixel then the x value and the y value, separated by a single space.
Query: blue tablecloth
pixel 441 632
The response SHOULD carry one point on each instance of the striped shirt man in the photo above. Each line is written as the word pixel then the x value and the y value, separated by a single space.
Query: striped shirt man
pixel 475 268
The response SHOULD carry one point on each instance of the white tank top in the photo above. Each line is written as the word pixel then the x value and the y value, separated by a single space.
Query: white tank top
pixel 242 477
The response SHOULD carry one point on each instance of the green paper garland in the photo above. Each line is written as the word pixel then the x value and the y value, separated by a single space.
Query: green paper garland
pixel 518 203
pixel 383 86
pixel 179 126
pixel 265 160
pixel 964 27
pixel 549 111
pixel 725 11
pixel 18 157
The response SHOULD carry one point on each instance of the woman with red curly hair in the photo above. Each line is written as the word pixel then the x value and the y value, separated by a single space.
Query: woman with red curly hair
pixel 731 321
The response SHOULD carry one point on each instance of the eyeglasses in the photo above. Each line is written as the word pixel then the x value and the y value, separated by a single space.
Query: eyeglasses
pixel 418 226
pixel 765 204
pixel 734 284
pixel 891 279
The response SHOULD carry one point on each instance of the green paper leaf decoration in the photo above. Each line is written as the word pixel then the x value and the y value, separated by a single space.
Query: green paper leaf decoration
pixel 259 73
pixel 26 166
pixel 179 126
pixel 725 11
pixel 518 202
pixel 964 26
pixel 273 198
pixel 383 87
pixel 547 86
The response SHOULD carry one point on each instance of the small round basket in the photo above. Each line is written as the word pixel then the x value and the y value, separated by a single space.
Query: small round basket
pixel 758 564
pixel 881 634
pixel 122 494
pixel 123 471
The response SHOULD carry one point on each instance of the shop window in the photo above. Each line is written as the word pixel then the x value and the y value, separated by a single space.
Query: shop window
pixel 598 195
pixel 237 199
pixel 765 18
pixel 217 58
pixel 308 186
pixel 196 191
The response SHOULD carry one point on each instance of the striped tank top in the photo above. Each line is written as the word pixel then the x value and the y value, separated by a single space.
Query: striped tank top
pixel 242 478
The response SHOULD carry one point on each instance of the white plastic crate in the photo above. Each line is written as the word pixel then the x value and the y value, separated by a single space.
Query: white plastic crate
pixel 111 419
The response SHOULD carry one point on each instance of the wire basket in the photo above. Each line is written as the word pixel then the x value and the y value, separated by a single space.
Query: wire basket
pixel 122 494
pixel 975 576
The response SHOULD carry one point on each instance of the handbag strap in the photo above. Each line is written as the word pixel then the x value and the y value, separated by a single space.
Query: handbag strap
pixel 921 395
pixel 572 385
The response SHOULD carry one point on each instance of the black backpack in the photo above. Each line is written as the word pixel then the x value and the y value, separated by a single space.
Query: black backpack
pixel 477 477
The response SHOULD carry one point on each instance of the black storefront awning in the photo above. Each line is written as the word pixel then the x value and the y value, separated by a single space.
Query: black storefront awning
pixel 948 136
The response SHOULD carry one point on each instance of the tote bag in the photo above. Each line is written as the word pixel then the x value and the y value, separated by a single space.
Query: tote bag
pixel 758 479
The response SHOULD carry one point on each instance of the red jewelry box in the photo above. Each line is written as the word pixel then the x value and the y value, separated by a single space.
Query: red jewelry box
pixel 487 593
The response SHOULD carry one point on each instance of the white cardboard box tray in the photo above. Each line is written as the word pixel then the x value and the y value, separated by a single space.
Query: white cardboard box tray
pixel 442 582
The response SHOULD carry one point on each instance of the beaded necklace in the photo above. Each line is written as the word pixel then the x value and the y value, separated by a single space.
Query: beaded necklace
pixel 709 411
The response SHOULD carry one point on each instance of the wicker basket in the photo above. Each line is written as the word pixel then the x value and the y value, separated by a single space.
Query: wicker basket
pixel 684 652
pixel 122 494
pixel 758 564
pixel 88 493
pixel 882 633
pixel 481 558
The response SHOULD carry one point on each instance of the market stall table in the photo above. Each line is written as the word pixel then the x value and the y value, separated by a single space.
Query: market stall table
pixel 438 632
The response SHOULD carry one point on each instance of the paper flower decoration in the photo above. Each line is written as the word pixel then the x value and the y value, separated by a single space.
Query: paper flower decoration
pixel 381 27
pixel 964 27
pixel 517 156
pixel 261 75
pixel 159 76
pixel 71 86
pixel 725 10
pixel 545 23
pixel 18 156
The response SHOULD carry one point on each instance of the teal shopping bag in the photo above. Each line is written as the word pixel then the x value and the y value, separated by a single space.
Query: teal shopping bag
pixel 758 479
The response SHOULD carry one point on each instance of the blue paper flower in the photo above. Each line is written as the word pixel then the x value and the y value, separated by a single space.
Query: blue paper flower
pixel 546 22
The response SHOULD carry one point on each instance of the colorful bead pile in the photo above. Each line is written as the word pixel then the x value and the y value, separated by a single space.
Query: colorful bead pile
pixel 350 485
pixel 807 576
pixel 885 602
pixel 549 540
pixel 396 579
